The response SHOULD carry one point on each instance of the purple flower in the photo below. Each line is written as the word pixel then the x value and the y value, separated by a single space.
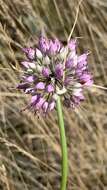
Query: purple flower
pixel 45 106
pixel 76 100
pixel 59 71
pixel 54 46
pixel 28 65
pixel 82 61
pixel 45 72
pixel 49 88
pixel 39 103
pixel 43 44
pixel 82 57
pixel 86 79
pixel 30 53
pixel 40 86
pixel 53 70
pixel 89 83
pixel 69 63
pixel 51 105
pixel 34 99
pixel 72 44
pixel 30 78
pixel 67 81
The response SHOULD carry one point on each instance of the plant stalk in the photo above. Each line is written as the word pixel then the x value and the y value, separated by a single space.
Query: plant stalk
pixel 63 145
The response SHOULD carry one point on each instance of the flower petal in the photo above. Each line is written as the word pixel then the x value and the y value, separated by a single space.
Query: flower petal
pixel 59 70
pixel 49 88
pixel 30 52
pixel 45 72
pixel 40 86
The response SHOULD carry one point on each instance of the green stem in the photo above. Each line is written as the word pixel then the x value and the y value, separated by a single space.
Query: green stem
pixel 63 145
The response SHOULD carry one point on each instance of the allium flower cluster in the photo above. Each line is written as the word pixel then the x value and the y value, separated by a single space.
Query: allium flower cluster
pixel 53 70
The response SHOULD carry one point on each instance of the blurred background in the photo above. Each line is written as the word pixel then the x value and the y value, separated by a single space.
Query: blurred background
pixel 30 155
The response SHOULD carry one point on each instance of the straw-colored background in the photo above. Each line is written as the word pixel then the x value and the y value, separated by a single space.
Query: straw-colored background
pixel 30 153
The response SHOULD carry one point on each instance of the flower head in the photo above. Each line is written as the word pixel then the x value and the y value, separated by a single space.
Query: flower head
pixel 53 70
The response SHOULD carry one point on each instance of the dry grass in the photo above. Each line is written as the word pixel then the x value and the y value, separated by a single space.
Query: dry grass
pixel 30 148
